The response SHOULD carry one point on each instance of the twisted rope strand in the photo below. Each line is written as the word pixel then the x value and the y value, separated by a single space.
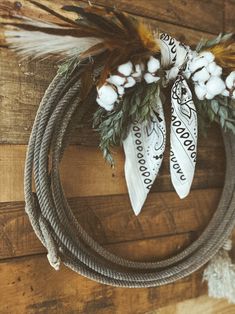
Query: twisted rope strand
pixel 64 237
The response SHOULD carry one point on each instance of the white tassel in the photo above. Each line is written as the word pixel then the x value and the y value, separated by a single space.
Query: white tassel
pixel 220 275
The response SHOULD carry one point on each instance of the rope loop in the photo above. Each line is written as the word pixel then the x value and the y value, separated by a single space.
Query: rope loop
pixel 63 236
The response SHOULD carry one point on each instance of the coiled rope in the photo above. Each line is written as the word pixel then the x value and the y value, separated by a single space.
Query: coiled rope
pixel 61 233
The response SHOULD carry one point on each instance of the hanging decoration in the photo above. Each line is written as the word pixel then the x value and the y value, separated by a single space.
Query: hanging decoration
pixel 122 66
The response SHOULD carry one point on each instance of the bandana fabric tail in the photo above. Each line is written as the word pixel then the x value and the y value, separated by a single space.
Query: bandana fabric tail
pixel 183 137
pixel 144 148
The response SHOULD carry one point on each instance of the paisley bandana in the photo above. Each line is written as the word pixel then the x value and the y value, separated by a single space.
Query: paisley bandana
pixel 144 148
pixel 121 67
pixel 125 66
pixel 145 144
pixel 183 138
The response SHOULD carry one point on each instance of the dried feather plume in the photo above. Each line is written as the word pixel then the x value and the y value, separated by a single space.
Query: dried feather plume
pixel 224 53
pixel 117 43
pixel 37 44
pixel 95 31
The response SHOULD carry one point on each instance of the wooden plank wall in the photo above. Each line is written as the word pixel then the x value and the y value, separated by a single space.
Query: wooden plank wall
pixel 27 283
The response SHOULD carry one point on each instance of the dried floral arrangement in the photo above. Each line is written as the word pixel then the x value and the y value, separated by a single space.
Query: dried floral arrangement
pixel 123 67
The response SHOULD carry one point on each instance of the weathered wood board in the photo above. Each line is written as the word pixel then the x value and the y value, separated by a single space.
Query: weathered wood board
pixel 109 219
pixel 99 198
pixel 29 285
pixel 83 177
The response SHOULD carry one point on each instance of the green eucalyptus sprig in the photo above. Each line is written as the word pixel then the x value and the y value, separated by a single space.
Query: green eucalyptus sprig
pixel 220 109
pixel 110 125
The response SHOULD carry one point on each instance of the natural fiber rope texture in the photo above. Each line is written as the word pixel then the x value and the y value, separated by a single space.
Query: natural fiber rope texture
pixel 63 236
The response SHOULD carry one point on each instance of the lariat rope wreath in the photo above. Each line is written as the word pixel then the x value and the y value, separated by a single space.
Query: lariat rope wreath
pixel 122 67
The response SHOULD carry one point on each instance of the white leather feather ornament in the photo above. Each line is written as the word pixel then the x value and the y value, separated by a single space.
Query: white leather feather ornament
pixel 144 148
pixel 183 138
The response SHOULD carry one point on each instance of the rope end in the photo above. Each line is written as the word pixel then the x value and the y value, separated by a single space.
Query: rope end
pixel 54 261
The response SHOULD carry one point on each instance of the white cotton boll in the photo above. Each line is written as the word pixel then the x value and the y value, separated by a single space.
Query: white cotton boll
pixel 120 90
pixel 214 69
pixel 233 95
pixel 153 65
pixel 215 86
pixel 107 93
pixel 218 71
pixel 201 76
pixel 210 96
pixel 200 91
pixel 149 78
pixel 116 80
pixel 225 93
pixel 104 105
pixel 106 96
pixel 230 80
pixel 211 67
pixel 125 68
pixel 207 55
pixel 197 63
pixel 130 82
pixel 138 71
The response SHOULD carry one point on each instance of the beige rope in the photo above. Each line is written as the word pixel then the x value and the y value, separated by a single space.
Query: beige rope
pixel 64 237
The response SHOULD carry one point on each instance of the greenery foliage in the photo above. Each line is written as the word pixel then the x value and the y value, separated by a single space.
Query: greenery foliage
pixel 136 105
pixel 205 43
pixel 220 109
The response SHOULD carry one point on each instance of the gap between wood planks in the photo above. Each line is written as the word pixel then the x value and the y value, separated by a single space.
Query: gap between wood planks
pixel 26 81
pixel 177 13
pixel 98 178
pixel 143 250
pixel 166 222
pixel 30 285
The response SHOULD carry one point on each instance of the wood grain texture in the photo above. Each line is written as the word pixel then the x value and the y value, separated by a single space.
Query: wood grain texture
pixel 26 82
pixel 85 173
pixel 193 14
pixel 27 282
pixel 229 20
pixel 30 285
pixel 202 304
pixel 206 16
pixel 22 85
pixel 110 220
pixel 176 12
pixel 21 88
pixel 172 25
